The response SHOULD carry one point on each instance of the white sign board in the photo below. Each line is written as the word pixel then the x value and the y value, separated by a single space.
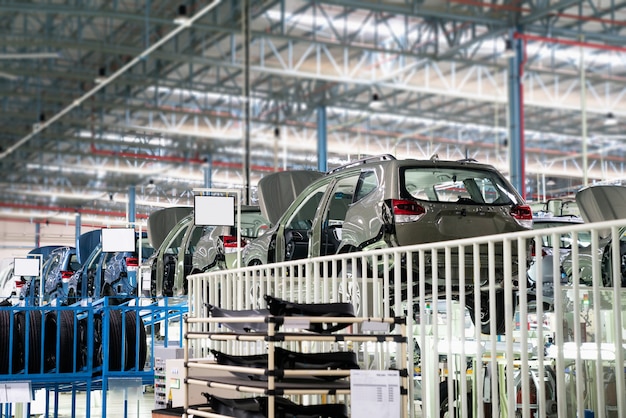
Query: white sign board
pixel 16 392
pixel 214 210
pixel 27 266
pixel 118 239
pixel 375 393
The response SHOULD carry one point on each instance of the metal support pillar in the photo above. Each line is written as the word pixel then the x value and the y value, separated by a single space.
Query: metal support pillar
pixel 245 28
pixel 37 235
pixel 322 140
pixel 208 171
pixel 131 205
pixel 516 117
pixel 77 228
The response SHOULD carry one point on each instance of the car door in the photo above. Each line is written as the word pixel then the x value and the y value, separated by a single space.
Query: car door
pixel 291 240
pixel 327 229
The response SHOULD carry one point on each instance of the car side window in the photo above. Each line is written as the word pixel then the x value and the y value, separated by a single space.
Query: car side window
pixel 368 181
pixel 176 242
pixel 343 196
pixel 303 216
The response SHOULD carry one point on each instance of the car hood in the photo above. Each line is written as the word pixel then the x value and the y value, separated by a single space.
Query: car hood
pixel 86 244
pixel 44 251
pixel 602 203
pixel 160 223
pixel 277 191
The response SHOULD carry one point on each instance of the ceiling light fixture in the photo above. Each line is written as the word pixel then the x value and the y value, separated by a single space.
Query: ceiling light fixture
pixel 182 18
pixel 102 76
pixel 376 103
pixel 610 120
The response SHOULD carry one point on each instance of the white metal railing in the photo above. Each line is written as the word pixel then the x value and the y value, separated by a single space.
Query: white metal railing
pixel 559 354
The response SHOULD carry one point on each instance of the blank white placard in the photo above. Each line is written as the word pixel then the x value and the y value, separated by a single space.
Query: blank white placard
pixel 27 267
pixel 214 210
pixel 118 239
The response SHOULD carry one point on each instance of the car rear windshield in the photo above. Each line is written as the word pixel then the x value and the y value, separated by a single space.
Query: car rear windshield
pixel 462 185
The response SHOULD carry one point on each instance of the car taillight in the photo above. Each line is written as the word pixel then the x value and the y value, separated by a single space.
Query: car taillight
pixel 533 252
pixel 132 263
pixel 66 275
pixel 19 284
pixel 406 210
pixel 523 214
pixel 230 243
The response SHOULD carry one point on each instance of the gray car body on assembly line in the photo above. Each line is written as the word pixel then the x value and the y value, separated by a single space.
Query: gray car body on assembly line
pixel 383 202
pixel 184 248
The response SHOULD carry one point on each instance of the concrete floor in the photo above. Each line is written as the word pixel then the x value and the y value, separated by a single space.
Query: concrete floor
pixel 139 404
pixel 120 404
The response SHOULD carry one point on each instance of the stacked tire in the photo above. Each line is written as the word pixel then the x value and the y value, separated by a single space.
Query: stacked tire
pixel 6 332
pixel 127 348
pixel 60 339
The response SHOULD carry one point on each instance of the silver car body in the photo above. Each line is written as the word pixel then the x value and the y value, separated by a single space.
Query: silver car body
pixel 384 202
pixel 188 248
pixel 599 203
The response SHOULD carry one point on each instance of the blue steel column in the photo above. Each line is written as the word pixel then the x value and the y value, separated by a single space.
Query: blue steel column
pixel 208 171
pixel 77 229
pixel 131 204
pixel 322 140
pixel 516 118
pixel 37 235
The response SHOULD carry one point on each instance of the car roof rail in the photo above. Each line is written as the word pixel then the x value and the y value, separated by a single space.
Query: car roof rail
pixel 375 158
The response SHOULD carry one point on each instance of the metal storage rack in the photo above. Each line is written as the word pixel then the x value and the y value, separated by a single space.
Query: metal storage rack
pixel 275 334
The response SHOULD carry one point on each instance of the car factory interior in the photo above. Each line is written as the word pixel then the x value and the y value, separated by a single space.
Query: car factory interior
pixel 313 208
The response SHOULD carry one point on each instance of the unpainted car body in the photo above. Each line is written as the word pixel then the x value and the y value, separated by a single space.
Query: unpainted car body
pixel 188 248
pixel 8 284
pixel 29 291
pixel 101 274
pixel 382 202
pixel 553 253
pixel 599 203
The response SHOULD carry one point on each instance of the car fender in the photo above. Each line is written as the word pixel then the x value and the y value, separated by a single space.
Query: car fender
pixel 359 230
pixel 258 249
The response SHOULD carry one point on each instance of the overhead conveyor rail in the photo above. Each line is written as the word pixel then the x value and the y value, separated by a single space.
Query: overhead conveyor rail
pixel 505 308
pixel 87 347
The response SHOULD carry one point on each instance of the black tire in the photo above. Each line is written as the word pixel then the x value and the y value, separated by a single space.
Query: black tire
pixel 98 351
pixel 32 340
pixel 82 354
pixel 449 409
pixel 607 265
pixel 117 344
pixel 70 352
pixel 136 344
pixel 5 344
pixel 486 316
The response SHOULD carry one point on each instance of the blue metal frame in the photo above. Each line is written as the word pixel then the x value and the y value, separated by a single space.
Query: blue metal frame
pixel 89 376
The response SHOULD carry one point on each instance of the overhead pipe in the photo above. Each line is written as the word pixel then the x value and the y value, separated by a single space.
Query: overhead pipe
pixel 568 42
pixel 174 159
pixel 64 223
pixel 517 9
pixel 68 209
